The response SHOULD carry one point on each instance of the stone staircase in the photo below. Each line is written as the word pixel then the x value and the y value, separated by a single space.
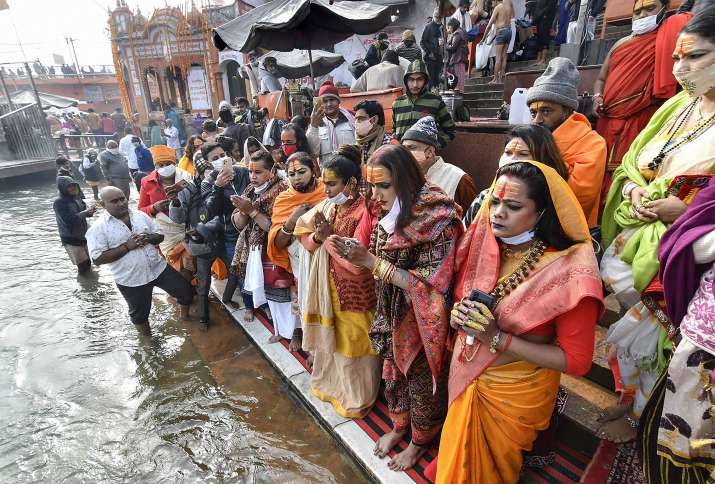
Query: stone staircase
pixel 484 99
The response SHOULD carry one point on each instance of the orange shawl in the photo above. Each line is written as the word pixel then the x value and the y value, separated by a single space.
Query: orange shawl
pixel 283 207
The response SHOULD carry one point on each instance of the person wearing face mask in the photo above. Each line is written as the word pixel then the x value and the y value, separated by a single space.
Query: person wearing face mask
pixel 226 182
pixel 524 143
pixel 385 75
pixel 369 134
pixel 251 218
pixel 330 125
pixel 341 297
pixel 268 74
pixel 421 141
pixel 635 79
pixel 92 171
pixel 284 250
pixel 187 205
pixel 293 140
pixel 666 164
pixel 411 256
pixel 115 168
pixel 528 296
pixel 552 101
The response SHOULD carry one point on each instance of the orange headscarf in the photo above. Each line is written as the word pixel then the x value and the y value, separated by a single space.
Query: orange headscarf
pixel 283 207
pixel 163 154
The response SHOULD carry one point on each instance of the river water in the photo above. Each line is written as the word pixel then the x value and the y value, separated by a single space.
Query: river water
pixel 84 398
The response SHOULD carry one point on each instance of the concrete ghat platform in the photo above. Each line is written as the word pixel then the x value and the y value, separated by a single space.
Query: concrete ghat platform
pixel 346 432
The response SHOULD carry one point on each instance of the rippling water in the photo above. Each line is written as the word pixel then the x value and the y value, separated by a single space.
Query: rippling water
pixel 83 398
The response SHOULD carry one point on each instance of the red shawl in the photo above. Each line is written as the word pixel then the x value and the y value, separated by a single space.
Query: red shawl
pixel 557 284
pixel 421 321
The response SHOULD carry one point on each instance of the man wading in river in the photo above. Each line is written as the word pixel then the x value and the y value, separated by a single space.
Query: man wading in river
pixel 126 239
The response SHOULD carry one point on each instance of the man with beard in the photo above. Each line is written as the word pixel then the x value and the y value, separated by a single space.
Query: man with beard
pixel 268 73
pixel 553 100
pixel 330 125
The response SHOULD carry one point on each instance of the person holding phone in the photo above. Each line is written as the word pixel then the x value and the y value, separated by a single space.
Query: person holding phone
pixel 251 218
pixel 284 250
pixel 528 295
pixel 411 256
pixel 341 297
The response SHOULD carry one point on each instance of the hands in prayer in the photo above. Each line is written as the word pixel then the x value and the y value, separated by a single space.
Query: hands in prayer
pixel 322 228
pixel 242 203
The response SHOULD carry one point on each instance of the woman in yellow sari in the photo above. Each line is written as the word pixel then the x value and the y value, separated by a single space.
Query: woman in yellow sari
pixel 341 296
pixel 529 257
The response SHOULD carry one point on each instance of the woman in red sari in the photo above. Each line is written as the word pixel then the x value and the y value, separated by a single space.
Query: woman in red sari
pixel 528 258
pixel 411 257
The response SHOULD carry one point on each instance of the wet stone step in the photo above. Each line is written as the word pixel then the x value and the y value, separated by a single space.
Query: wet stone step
pixel 483 95
pixel 578 425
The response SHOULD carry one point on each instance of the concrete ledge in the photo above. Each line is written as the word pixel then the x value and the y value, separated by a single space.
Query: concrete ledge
pixel 345 431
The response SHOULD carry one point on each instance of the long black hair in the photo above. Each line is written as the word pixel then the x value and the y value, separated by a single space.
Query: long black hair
pixel 542 145
pixel 548 228
pixel 403 167
pixel 301 140
pixel 703 22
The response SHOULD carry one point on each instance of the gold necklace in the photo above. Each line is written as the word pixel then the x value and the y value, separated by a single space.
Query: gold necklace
pixel 509 284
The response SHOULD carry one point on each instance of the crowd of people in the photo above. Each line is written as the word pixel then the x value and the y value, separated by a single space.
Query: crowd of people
pixel 377 256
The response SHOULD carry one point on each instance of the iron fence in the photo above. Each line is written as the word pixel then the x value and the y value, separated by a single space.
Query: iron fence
pixel 26 133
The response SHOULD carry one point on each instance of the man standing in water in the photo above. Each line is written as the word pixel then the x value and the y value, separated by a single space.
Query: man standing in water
pixel 71 214
pixel 126 239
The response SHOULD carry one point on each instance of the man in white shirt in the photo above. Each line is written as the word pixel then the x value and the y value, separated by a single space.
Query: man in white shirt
pixel 172 137
pixel 462 15
pixel 125 239
pixel 127 148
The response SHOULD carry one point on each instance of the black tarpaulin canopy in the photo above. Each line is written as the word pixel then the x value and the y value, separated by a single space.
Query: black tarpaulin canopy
pixel 284 25
pixel 296 63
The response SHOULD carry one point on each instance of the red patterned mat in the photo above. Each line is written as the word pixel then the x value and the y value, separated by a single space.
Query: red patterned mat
pixel 568 466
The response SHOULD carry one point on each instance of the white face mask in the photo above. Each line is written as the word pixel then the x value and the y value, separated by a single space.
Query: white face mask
pixel 166 170
pixel 389 221
pixel 645 24
pixel 522 238
pixel 282 173
pixel 113 151
pixel 363 128
pixel 262 188
pixel 218 164
pixel 698 82
pixel 339 199
pixel 505 160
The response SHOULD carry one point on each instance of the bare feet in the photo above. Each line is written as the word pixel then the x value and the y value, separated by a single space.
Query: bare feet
pixel 385 443
pixel 232 305
pixel 144 328
pixel 407 458
pixel 614 412
pixel 494 81
pixel 248 315
pixel 618 431
pixel 296 342
pixel 274 339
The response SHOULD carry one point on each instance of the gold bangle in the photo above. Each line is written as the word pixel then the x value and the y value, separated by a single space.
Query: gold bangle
pixel 253 213
pixel 495 341
pixel 283 229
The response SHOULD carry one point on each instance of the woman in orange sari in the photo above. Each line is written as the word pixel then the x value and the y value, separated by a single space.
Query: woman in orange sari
pixel 529 294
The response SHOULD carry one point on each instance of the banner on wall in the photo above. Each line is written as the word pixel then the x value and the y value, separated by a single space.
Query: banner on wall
pixel 198 91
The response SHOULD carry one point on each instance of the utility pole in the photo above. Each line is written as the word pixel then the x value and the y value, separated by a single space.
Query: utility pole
pixel 70 42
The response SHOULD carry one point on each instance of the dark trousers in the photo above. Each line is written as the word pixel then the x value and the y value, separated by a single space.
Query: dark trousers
pixel 139 298
pixel 434 69
pixel 203 276
pixel 233 282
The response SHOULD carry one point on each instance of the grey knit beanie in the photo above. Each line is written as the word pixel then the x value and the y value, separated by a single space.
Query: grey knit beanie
pixel 424 131
pixel 557 84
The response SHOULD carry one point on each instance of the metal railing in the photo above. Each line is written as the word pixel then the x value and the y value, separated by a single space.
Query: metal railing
pixel 77 144
pixel 26 133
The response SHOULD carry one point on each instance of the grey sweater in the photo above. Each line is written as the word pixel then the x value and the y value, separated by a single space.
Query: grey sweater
pixel 114 166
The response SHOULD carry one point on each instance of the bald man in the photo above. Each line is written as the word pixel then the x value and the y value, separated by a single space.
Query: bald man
pixel 126 240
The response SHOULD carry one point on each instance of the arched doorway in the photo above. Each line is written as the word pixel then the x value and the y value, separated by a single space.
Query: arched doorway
pixel 236 84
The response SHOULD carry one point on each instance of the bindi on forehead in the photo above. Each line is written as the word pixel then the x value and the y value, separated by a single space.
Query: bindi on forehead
pixel 685 45
pixel 507 188
pixel 376 174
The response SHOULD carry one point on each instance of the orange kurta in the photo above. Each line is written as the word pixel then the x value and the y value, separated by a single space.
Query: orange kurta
pixel 584 152
pixel 283 207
